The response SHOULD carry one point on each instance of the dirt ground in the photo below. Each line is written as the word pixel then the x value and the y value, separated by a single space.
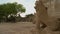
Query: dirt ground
pixel 16 28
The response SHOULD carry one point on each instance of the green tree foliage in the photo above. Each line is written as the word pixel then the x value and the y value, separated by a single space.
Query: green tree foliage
pixel 10 8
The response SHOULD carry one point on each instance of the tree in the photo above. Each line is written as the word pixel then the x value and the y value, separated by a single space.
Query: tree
pixel 10 9
pixel 29 17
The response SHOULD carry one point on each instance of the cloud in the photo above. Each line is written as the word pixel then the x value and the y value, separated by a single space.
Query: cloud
pixel 6 1
pixel 29 4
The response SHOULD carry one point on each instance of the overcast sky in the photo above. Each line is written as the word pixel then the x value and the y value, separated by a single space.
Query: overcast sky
pixel 28 4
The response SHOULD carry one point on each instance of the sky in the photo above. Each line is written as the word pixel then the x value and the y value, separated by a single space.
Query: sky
pixel 28 4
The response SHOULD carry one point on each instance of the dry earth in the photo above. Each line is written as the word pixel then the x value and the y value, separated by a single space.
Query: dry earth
pixel 16 28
